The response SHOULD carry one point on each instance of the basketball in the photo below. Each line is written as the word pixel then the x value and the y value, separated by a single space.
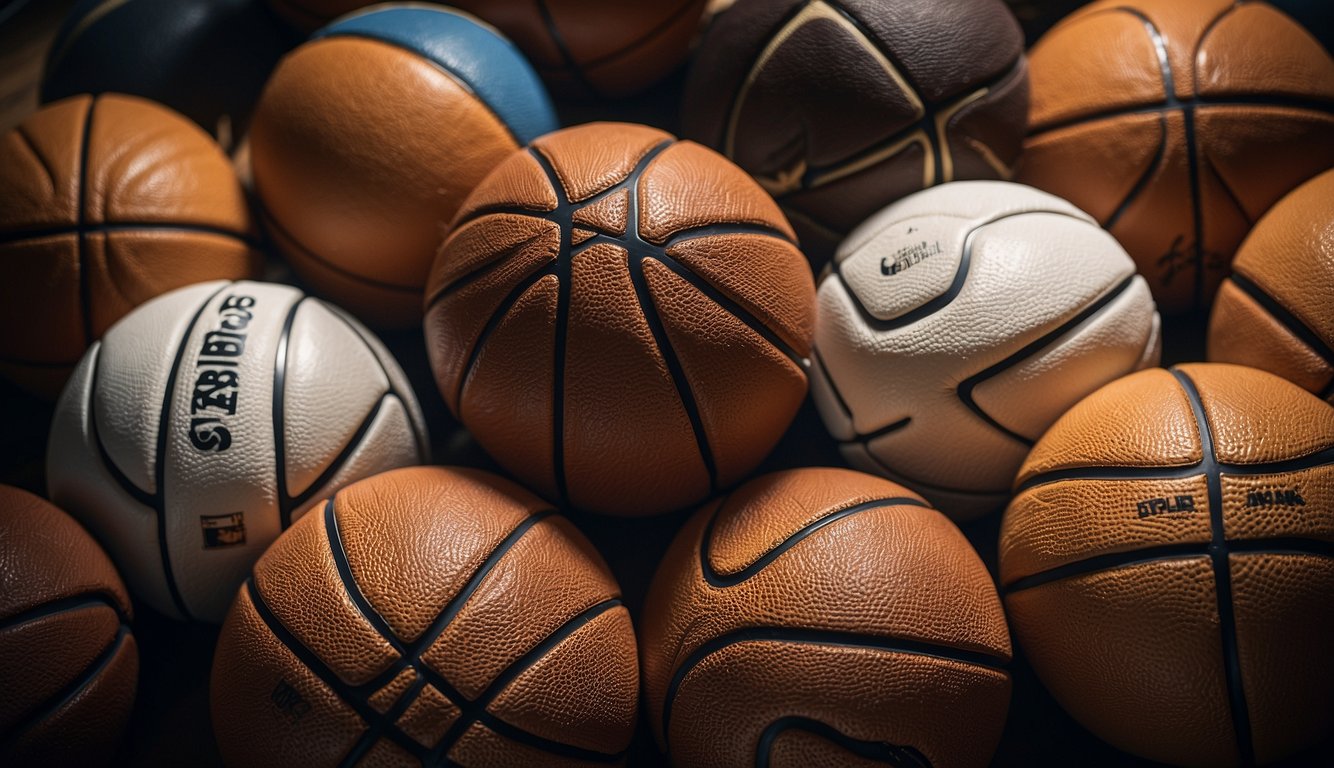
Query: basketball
pixel 1177 124
pixel 621 319
pixel 1166 564
pixel 1274 310
pixel 68 659
pixel 367 139
pixel 956 325
pixel 427 616
pixel 209 420
pixel 106 203
pixel 824 617
pixel 840 107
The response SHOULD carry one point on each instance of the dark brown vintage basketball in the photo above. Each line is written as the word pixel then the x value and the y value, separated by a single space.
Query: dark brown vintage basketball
pixel 68 662
pixel 427 616
pixel 1177 124
pixel 824 617
pixel 840 107
pixel 621 319
pixel 106 203
pixel 1168 561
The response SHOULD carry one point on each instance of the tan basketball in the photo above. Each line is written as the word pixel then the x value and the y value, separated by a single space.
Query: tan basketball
pixel 1177 124
pixel 106 203
pixel 1276 310
pixel 1168 564
pixel 68 662
pixel 427 616
pixel 621 319
pixel 824 617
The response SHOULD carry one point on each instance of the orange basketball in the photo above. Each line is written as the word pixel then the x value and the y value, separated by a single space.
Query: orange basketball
pixel 106 203
pixel 1177 124
pixel 621 319
pixel 1168 563
pixel 1276 309
pixel 427 616
pixel 68 661
pixel 824 617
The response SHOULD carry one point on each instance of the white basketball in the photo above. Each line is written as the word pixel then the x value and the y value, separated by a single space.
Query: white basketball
pixel 957 324
pixel 207 420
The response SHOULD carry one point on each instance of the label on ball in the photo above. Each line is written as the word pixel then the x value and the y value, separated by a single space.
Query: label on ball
pixel 908 256
pixel 289 701
pixel 1279 497
pixel 223 530
pixel 1165 504
pixel 217 384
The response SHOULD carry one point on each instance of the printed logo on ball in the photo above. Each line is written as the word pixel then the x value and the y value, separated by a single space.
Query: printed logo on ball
pixel 223 530
pixel 1163 504
pixel 289 701
pixel 908 256
pixel 216 385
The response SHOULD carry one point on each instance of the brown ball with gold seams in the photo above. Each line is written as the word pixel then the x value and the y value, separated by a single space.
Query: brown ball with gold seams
pixel 105 203
pixel 68 661
pixel 1177 124
pixel 621 319
pixel 427 616
pixel 1168 564
pixel 840 107
pixel 824 617
pixel 1276 309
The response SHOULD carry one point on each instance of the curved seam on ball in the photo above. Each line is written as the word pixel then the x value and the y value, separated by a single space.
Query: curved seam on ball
pixel 81 245
pixel 1107 472
pixel 1295 325
pixel 899 756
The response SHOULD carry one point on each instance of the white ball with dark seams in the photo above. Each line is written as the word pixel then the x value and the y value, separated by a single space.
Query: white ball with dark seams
pixel 956 325
pixel 210 418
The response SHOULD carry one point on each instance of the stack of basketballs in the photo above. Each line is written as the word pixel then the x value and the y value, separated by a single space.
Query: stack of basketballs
pixel 960 250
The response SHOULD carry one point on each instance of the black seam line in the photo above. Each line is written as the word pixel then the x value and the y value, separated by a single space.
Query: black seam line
pixel 1199 102
pixel 496 260
pixel 1218 556
pixel 475 710
pixel 1143 181
pixel 956 285
pixel 120 478
pixel 65 695
pixel 1279 545
pixel 1309 461
pixel 818 366
pixel 1227 189
pixel 903 479
pixel 866 437
pixel 571 66
pixel 497 317
pixel 128 227
pixel 1290 321
pixel 900 756
pixel 350 695
pixel 272 222
pixel 821 637
pixel 711 230
pixel 350 586
pixel 642 40
pixel 966 387
pixel 733 103
pixel 22 133
pixel 81 249
pixel 290 504
pixel 160 456
pixel 375 730
pixel 716 579
pixel 279 425
pixel 64 605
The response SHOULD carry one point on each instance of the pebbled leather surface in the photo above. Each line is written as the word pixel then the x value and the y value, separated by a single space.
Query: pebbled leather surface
pixel 894 571
pixel 505 616
pixel 344 411
pixel 670 279
pixel 1289 258
pixel 67 657
pixel 1245 120
pixel 105 204
pixel 969 292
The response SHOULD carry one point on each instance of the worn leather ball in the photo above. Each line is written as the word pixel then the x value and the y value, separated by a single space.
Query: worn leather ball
pixel 1168 563
pixel 427 616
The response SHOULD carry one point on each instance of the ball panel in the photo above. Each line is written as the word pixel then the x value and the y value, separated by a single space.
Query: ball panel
pixel 58 310
pixel 689 186
pixel 42 161
pixel 518 181
pixel 1129 636
pixel 480 745
pixel 837 202
pixel 1295 423
pixel 645 60
pixel 1258 49
pixel 905 266
pixel 45 653
pixel 976 143
pixel 590 158
pixel 1243 332
pixel 1284 614
pixel 959 504
pixel 426 720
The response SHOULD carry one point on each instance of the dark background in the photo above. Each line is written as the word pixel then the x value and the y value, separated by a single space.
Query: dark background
pixel 171 724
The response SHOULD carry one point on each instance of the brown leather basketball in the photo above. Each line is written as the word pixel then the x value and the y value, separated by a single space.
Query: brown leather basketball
pixel 106 203
pixel 840 107
pixel 1168 564
pixel 1276 310
pixel 68 661
pixel 1177 124
pixel 621 319
pixel 427 616
pixel 824 617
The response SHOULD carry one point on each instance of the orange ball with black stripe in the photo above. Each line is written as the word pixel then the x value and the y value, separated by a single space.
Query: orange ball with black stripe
pixel 68 660
pixel 368 137
pixel 1177 124
pixel 824 617
pixel 427 616
pixel 621 319
pixel 107 202
pixel 1276 310
pixel 1168 564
